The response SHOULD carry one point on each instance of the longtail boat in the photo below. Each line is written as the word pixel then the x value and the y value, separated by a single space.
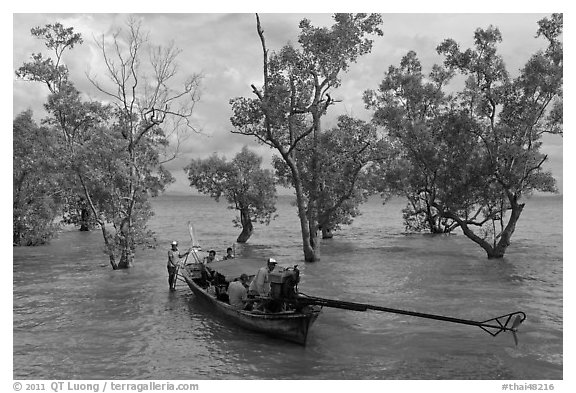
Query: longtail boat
pixel 292 325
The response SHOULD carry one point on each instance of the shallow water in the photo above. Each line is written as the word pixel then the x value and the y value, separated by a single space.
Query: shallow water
pixel 76 318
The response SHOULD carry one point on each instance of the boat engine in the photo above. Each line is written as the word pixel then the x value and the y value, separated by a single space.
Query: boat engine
pixel 284 283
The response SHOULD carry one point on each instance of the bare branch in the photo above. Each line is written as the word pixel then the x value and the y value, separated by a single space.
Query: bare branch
pixel 264 50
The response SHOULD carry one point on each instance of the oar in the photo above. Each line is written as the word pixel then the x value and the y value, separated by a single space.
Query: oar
pixel 494 326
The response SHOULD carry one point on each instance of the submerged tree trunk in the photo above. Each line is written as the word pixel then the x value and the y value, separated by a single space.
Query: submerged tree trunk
pixel 84 217
pixel 476 239
pixel 126 245
pixel 247 226
pixel 327 233
pixel 507 233
pixel 109 248
pixel 440 227
pixel 314 242
pixel 437 224
pixel 307 244
pixel 312 211
pixel 499 249
pixel 126 259
pixel 312 218
pixel 432 222
pixel 100 221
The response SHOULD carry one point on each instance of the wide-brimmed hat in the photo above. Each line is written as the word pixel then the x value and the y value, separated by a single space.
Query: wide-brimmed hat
pixel 272 260
pixel 174 243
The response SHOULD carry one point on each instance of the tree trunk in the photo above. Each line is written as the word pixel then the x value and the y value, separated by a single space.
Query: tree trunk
pixel 247 227
pixel 108 246
pixel 84 217
pixel 100 221
pixel 314 243
pixel 307 242
pixel 477 239
pixel 312 213
pixel 440 227
pixel 500 249
pixel 431 221
pixel 126 259
pixel 126 241
pixel 469 232
pixel 507 233
pixel 436 229
pixel 327 233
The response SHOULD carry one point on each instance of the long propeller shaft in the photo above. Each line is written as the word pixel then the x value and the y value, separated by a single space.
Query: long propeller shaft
pixel 493 326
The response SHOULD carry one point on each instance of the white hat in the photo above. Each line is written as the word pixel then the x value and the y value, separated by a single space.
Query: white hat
pixel 174 243
pixel 272 260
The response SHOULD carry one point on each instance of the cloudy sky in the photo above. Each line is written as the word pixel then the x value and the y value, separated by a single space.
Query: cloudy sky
pixel 225 48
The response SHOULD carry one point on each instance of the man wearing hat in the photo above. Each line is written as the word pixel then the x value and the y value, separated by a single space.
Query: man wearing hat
pixel 173 258
pixel 260 285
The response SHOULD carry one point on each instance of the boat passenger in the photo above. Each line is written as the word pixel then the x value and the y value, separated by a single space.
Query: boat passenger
pixel 211 257
pixel 173 260
pixel 260 285
pixel 220 285
pixel 229 254
pixel 238 292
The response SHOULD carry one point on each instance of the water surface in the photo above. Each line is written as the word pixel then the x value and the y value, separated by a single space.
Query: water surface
pixel 76 318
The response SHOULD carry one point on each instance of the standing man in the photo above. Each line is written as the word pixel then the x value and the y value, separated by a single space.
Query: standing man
pixel 173 259
pixel 260 285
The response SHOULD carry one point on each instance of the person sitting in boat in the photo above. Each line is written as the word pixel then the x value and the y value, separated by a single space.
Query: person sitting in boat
pixel 260 285
pixel 210 258
pixel 229 254
pixel 220 286
pixel 174 257
pixel 238 292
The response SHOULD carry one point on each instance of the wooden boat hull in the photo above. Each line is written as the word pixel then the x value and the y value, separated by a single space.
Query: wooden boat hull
pixel 289 325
